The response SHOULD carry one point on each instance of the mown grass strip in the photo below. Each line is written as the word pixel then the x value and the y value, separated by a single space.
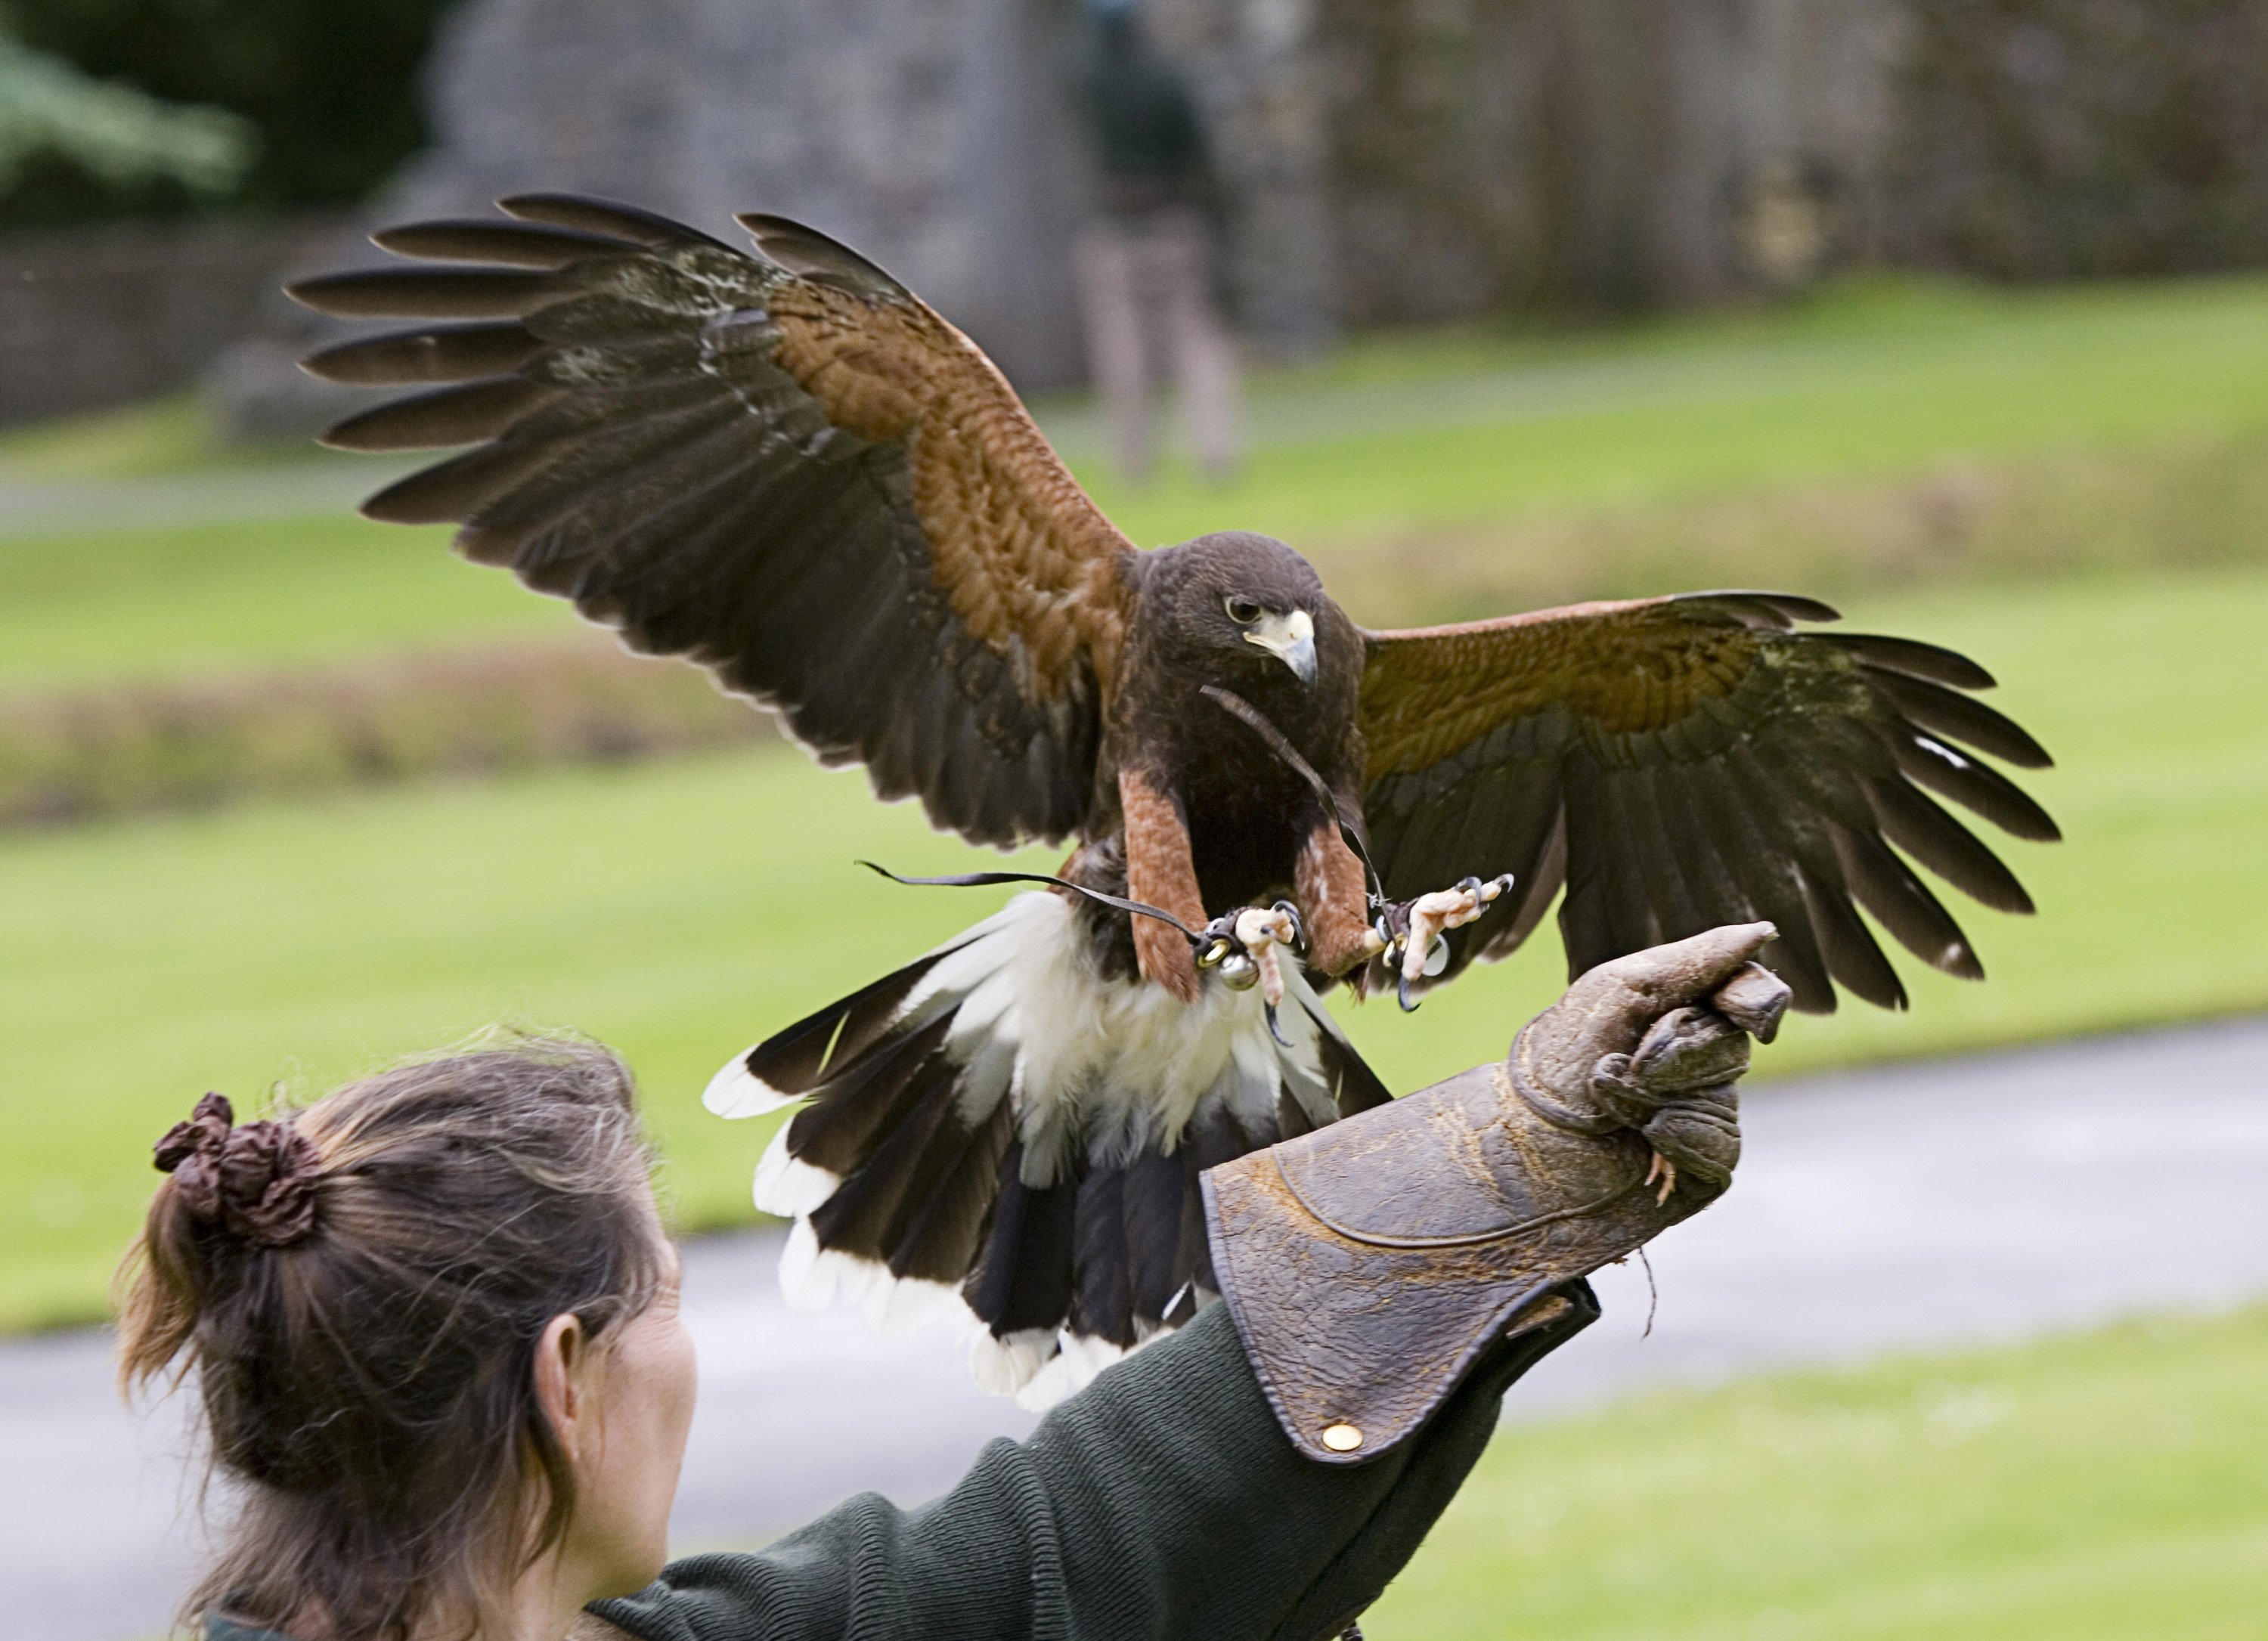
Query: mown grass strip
pixel 488 711
pixel 2172 505
pixel 157 605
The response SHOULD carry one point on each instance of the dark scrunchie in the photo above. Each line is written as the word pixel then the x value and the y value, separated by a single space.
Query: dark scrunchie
pixel 257 1181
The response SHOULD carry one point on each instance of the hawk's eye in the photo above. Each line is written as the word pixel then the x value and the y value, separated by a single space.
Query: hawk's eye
pixel 1242 611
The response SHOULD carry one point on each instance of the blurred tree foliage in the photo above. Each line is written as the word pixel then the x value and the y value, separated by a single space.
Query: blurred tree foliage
pixel 2045 139
pixel 112 131
pixel 329 87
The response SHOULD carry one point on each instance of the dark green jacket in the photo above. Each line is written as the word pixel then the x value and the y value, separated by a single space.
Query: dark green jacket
pixel 1163 1504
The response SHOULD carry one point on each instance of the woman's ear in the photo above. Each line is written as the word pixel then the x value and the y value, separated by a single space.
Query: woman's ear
pixel 562 1356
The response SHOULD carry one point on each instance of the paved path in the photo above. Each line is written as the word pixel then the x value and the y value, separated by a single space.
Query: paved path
pixel 1910 1207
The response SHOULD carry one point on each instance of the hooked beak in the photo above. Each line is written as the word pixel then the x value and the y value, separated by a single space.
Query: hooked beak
pixel 1291 639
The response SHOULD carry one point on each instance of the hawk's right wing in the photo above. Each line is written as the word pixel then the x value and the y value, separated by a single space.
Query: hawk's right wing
pixel 783 467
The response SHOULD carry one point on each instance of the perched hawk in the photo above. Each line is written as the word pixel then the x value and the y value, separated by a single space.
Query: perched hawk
pixel 785 467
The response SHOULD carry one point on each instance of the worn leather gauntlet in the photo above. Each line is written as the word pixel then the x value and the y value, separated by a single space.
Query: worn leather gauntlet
pixel 1369 1264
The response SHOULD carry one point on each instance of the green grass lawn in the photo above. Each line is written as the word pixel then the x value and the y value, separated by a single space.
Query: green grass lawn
pixel 1445 431
pixel 2110 1488
pixel 146 604
pixel 1766 403
pixel 154 438
pixel 680 911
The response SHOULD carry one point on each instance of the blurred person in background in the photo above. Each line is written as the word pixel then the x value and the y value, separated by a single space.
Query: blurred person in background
pixel 1146 262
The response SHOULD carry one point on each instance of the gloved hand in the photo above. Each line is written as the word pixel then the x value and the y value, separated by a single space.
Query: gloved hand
pixel 1368 1265
pixel 1606 1055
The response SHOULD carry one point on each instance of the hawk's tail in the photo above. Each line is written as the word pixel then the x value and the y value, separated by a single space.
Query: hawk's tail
pixel 998 1131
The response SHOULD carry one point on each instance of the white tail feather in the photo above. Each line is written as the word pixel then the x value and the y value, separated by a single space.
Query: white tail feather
pixel 1099 1070
pixel 1072 1369
pixel 789 1187
pixel 735 1093
pixel 1002 1363
pixel 813 1279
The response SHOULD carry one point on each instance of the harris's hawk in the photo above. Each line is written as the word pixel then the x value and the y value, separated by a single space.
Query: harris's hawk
pixel 783 467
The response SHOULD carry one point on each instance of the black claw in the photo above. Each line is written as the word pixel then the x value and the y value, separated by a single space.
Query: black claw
pixel 1274 1030
pixel 1401 995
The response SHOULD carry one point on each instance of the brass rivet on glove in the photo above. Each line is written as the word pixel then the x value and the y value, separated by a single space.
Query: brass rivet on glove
pixel 1342 1437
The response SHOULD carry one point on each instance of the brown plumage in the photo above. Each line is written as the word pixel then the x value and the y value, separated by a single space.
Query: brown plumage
pixel 787 468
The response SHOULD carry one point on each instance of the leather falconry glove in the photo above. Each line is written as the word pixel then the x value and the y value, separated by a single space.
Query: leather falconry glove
pixel 1370 1264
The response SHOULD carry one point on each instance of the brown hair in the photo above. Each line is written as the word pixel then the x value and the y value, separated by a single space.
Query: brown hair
pixel 368 1380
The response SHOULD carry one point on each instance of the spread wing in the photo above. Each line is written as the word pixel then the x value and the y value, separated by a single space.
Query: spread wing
pixel 1687 762
pixel 783 467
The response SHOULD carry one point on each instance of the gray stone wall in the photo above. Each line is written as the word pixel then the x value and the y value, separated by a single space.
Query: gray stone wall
pixel 1258 70
pixel 1380 161
pixel 1495 153
pixel 929 133
pixel 925 132
pixel 100 316
pixel 2060 139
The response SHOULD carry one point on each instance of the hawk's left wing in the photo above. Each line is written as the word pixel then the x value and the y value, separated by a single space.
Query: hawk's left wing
pixel 1683 762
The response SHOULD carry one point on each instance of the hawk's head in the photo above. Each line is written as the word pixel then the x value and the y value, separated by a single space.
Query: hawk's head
pixel 1240 608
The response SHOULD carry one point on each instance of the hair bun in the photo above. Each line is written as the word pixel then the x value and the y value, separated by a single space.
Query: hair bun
pixel 258 1181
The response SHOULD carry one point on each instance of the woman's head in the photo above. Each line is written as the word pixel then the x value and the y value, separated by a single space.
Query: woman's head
pixel 412 1309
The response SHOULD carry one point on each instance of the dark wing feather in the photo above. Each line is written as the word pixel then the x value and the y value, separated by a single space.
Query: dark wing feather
pixel 439 353
pixel 462 415
pixel 426 293
pixel 783 466
pixel 484 240
pixel 1677 763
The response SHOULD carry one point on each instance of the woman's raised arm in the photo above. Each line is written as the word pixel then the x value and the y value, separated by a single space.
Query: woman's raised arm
pixel 1264 1473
